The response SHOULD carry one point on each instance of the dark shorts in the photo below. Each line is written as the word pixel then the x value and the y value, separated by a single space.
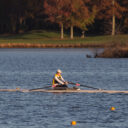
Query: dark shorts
pixel 61 87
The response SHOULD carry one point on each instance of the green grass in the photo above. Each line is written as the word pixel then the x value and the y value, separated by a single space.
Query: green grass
pixel 50 37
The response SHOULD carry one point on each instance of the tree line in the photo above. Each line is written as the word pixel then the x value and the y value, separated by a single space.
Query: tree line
pixel 87 16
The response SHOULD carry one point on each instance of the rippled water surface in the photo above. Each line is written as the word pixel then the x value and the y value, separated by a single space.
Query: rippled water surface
pixel 34 68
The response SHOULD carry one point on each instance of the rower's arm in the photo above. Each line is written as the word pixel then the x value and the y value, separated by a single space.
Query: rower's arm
pixel 62 79
pixel 65 82
pixel 61 82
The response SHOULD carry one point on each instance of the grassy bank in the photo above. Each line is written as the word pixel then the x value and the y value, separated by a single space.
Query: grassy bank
pixel 52 39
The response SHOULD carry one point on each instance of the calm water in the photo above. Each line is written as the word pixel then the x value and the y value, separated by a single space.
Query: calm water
pixel 34 68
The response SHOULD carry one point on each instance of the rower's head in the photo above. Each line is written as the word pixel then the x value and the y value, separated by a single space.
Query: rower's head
pixel 59 71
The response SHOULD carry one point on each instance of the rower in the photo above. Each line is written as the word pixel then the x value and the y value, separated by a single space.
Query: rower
pixel 59 82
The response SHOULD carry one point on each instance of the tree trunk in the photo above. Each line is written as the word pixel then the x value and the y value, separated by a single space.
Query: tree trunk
pixel 113 19
pixel 13 24
pixel 82 36
pixel 13 27
pixel 113 25
pixel 62 31
pixel 71 32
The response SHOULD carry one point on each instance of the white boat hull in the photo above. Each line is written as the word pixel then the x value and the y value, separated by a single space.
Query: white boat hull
pixel 80 91
pixel 63 91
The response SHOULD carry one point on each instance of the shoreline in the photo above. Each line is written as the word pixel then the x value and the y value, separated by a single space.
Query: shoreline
pixel 39 45
pixel 43 39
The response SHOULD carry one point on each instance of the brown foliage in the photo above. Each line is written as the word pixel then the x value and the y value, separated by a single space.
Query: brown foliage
pixel 108 8
pixel 57 10
pixel 69 12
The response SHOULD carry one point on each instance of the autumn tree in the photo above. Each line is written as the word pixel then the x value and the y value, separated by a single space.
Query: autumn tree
pixel 92 10
pixel 70 13
pixel 81 15
pixel 124 19
pixel 57 12
pixel 110 10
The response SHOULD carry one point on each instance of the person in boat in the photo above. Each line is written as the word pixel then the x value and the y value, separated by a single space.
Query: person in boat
pixel 58 81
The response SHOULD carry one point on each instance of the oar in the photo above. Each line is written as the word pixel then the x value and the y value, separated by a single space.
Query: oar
pixel 84 86
pixel 39 88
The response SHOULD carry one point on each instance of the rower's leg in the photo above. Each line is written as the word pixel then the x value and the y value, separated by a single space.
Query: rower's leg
pixel 61 87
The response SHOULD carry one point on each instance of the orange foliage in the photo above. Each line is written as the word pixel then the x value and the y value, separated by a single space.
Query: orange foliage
pixel 108 8
pixel 69 12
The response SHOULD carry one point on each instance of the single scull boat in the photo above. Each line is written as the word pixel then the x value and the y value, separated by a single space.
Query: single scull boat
pixel 63 91
pixel 78 91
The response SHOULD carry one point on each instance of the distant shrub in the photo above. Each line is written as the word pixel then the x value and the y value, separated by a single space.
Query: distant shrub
pixel 115 52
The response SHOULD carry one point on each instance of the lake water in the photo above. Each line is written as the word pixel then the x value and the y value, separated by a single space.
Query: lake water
pixel 34 68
